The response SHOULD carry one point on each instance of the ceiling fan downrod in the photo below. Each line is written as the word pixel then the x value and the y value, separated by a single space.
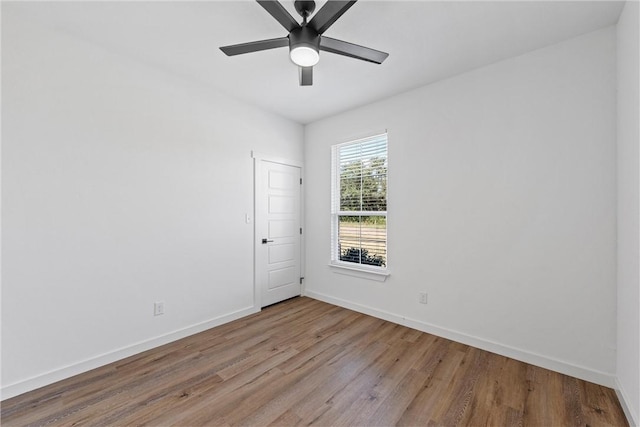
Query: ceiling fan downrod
pixel 304 8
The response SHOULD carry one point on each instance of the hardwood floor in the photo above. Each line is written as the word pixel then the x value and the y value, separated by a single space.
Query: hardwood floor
pixel 307 362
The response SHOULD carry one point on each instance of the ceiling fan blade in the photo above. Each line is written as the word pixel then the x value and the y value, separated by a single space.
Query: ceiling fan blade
pixel 306 76
pixel 328 14
pixel 352 50
pixel 281 15
pixel 238 49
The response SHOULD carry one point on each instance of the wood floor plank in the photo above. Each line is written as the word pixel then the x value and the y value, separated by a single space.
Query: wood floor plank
pixel 484 396
pixel 287 419
pixel 384 389
pixel 460 390
pixel 348 403
pixel 600 405
pixel 423 407
pixel 391 409
pixel 305 362
pixel 351 366
pixel 289 390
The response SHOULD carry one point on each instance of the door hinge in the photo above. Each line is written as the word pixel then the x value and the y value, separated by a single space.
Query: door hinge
pixel 300 230
pixel 301 280
pixel 300 181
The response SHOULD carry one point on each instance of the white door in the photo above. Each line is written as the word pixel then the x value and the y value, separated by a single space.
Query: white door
pixel 278 232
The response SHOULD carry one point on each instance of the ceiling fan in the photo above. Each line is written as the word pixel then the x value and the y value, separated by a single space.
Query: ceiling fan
pixel 306 40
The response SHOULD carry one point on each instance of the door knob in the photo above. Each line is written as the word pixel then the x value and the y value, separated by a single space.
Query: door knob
pixel 265 241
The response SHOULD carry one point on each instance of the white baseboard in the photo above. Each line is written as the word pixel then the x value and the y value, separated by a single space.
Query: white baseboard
pixel 624 402
pixel 602 378
pixel 15 389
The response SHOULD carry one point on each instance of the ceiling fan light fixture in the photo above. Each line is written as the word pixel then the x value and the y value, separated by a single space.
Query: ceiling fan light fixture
pixel 304 56
pixel 304 46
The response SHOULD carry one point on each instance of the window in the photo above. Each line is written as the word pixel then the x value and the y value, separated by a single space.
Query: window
pixel 359 203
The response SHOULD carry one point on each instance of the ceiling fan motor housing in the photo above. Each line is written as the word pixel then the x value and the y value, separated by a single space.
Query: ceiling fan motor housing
pixel 304 37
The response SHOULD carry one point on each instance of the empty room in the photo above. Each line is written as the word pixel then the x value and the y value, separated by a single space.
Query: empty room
pixel 359 213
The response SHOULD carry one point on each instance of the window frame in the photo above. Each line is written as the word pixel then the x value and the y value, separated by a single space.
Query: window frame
pixel 373 272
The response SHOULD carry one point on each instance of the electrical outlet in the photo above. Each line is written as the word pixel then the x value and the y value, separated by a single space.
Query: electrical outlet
pixel 158 308
pixel 423 298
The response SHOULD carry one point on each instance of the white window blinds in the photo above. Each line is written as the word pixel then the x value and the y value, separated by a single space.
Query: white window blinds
pixel 359 202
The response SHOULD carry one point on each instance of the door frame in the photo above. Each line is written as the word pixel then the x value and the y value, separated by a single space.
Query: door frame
pixel 258 158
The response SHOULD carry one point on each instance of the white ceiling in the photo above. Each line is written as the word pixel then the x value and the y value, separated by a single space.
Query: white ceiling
pixel 427 41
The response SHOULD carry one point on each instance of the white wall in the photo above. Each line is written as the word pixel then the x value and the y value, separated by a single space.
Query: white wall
pixel 628 354
pixel 501 206
pixel 121 186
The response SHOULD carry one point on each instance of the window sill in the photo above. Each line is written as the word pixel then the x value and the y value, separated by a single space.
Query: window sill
pixel 362 272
